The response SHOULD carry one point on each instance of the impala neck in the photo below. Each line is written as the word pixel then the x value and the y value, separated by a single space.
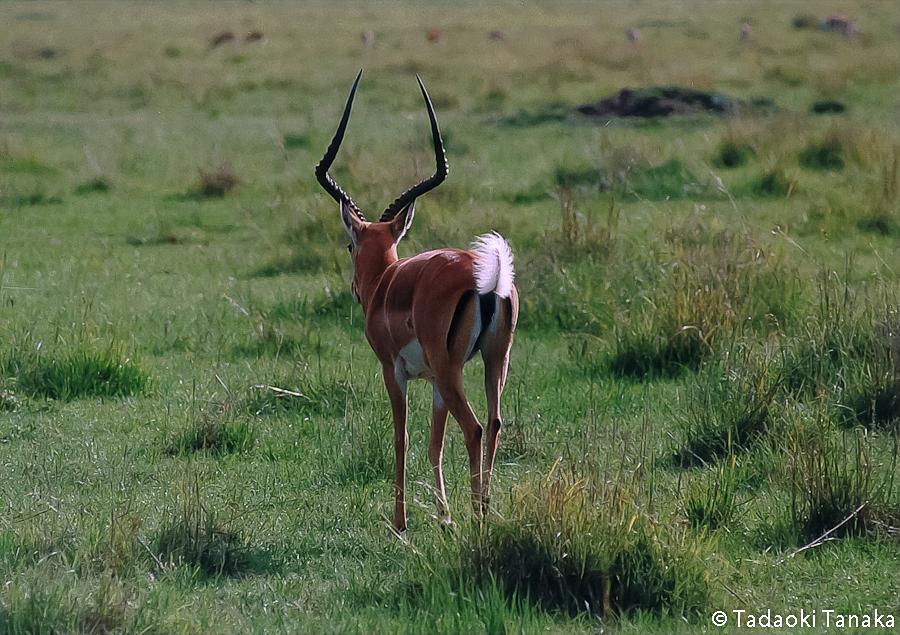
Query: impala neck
pixel 368 269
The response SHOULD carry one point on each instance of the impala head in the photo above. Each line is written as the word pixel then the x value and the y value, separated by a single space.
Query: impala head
pixel 379 239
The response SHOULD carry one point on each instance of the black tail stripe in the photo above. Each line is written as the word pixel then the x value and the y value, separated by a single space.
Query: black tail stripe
pixel 457 319
pixel 487 306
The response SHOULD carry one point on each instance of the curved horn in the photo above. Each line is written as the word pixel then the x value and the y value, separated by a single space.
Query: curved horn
pixel 322 166
pixel 440 172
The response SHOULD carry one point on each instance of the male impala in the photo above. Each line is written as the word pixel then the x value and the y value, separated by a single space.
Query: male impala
pixel 426 316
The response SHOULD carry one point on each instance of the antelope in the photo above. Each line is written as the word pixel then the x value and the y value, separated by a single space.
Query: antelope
pixel 436 36
pixel 254 36
pixel 426 316
pixel 221 38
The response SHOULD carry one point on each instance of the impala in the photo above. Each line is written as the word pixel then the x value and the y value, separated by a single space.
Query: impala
pixel 426 316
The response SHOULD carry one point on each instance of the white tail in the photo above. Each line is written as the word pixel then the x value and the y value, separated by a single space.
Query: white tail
pixel 494 266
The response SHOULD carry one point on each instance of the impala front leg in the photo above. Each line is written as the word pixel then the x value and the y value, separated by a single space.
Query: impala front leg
pixel 396 388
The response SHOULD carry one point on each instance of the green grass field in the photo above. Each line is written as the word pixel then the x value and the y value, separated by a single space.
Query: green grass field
pixel 703 407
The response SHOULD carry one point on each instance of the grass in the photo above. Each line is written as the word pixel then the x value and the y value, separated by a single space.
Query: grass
pixel 827 155
pixel 836 490
pixel 567 547
pixel 711 504
pixel 209 433
pixel 75 372
pixel 847 353
pixel 195 537
pixel 702 406
pixel 734 404
pixel 732 154
pixel 707 286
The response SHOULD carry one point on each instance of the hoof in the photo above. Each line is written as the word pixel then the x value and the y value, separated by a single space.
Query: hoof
pixel 447 524
pixel 397 529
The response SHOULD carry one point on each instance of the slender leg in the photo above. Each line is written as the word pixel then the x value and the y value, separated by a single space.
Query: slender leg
pixel 494 379
pixel 495 353
pixel 396 388
pixel 439 413
pixel 451 390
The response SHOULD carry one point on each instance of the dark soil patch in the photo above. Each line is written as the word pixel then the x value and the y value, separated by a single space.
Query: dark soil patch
pixel 656 102
pixel 647 103
pixel 828 107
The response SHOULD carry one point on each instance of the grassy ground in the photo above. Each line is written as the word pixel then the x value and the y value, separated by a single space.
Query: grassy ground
pixel 706 377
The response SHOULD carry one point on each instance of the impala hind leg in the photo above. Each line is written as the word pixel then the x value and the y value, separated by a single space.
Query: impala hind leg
pixel 495 353
pixel 455 401
pixel 439 413
pixel 396 388
pixel 494 379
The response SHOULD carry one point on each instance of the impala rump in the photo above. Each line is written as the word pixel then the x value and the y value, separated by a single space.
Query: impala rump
pixel 493 271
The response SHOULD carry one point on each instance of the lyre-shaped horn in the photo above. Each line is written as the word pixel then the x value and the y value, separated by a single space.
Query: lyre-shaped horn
pixel 322 166
pixel 440 172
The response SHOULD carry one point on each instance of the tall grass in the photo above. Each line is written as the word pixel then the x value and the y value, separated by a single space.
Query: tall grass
pixel 711 285
pixel 576 543
pixel 733 402
pixel 711 503
pixel 198 536
pixel 558 286
pixel 847 352
pixel 215 431
pixel 836 488
pixel 71 372
pixel 580 235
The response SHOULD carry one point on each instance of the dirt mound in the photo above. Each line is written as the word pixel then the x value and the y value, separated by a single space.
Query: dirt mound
pixel 658 102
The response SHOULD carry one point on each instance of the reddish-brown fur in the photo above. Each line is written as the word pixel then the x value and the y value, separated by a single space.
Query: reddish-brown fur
pixel 426 316
pixel 416 300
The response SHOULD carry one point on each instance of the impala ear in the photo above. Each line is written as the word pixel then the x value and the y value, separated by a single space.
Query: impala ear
pixel 351 222
pixel 401 223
